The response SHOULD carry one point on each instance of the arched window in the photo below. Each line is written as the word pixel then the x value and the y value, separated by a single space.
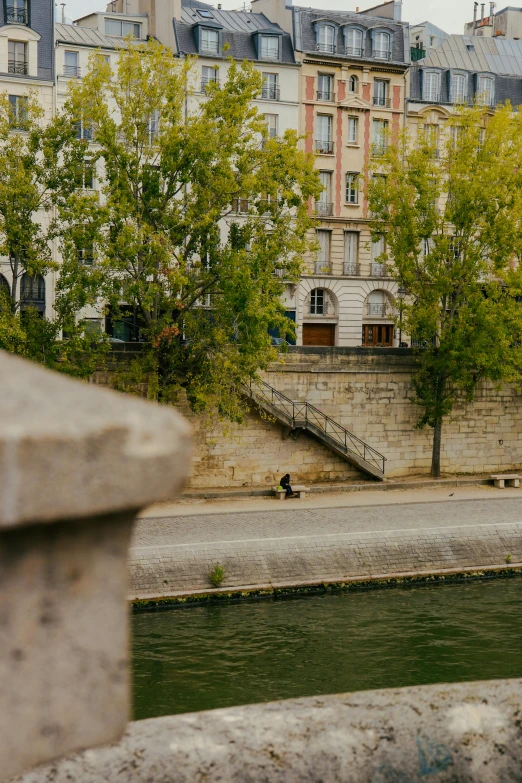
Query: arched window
pixel 326 38
pixel 353 84
pixel 321 302
pixel 32 292
pixel 378 304
pixel 4 286
pixel 381 45
pixel 353 41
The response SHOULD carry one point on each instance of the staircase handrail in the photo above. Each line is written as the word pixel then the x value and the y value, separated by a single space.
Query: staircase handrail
pixel 339 433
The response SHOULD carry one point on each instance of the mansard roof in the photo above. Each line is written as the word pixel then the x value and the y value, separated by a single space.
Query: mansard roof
pixel 502 56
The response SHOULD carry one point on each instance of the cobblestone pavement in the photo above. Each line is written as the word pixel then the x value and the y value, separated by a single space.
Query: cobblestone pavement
pixel 296 522
pixel 175 555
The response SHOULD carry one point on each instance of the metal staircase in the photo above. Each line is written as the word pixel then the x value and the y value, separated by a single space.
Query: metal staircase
pixel 302 415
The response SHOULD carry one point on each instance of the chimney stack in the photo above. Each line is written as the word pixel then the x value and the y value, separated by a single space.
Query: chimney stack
pixel 475 11
pixel 63 12
pixel 482 11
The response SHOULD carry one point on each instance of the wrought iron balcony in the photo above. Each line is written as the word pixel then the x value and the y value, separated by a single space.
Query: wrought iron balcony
pixel 417 53
pixel 351 268
pixel 381 54
pixel 381 100
pixel 324 147
pixel 323 208
pixel 270 93
pixel 325 95
pixel 353 51
pixel 320 268
pixel 377 270
pixel 15 66
pixel 377 309
pixel 326 47
pixel 71 70
pixel 205 82
pixel 16 15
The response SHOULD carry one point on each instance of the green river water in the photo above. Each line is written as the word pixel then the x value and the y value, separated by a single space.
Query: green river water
pixel 203 657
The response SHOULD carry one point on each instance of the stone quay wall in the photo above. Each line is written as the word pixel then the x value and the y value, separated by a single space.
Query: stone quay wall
pixel 369 392
pixel 171 570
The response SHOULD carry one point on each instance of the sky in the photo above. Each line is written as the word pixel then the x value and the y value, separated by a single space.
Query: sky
pixel 450 15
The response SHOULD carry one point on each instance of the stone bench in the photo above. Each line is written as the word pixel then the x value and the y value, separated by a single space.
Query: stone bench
pixel 300 489
pixel 511 479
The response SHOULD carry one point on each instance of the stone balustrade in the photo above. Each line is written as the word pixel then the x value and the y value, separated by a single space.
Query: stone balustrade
pixel 76 464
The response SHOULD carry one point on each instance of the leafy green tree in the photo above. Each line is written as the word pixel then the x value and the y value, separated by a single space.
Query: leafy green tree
pixel 452 219
pixel 200 282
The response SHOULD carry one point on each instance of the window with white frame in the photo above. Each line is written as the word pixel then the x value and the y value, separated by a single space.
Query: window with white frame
pixel 380 92
pixel 17 57
pixel 382 45
pixel 352 187
pixel 209 40
pixel 431 86
pixel 270 47
pixel 325 87
pixel 324 206
pixel 353 84
pixel 353 41
pixel 18 106
pixel 326 38
pixel 351 252
pixel 353 128
pixel 431 137
pixel 321 302
pixel 377 252
pixel 71 63
pixel 271 125
pixel 324 141
pixel 121 29
pixel 270 89
pixel 486 90
pixel 458 87
pixel 323 256
pixel 379 136
pixel 209 75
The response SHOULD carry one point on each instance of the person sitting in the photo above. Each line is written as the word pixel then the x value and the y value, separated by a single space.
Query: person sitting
pixel 285 483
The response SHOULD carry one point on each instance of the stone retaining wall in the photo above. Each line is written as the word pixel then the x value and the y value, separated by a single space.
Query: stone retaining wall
pixel 183 569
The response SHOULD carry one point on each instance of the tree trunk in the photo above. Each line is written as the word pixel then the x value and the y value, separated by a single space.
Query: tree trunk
pixel 435 454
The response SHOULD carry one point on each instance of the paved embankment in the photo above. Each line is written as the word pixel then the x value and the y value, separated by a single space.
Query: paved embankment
pixel 296 545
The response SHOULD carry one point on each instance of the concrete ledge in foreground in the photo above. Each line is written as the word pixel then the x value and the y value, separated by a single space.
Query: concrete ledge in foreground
pixel 468 732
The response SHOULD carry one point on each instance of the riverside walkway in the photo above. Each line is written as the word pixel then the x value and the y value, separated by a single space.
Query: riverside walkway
pixel 265 543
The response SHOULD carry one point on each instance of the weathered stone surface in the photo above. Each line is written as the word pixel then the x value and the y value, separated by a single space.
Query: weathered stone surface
pixel 68 449
pixel 83 461
pixel 469 732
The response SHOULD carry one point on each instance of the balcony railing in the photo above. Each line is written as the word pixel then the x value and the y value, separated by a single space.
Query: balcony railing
pixel 377 309
pixel 205 82
pixel 324 147
pixel 16 15
pixel 71 70
pixel 15 66
pixel 279 272
pixel 270 93
pixel 381 54
pixel 378 150
pixel 210 47
pixel 417 54
pixel 320 268
pixel 323 208
pixel 381 100
pixel 377 270
pixel 353 51
pixel 325 95
pixel 351 268
pixel 326 47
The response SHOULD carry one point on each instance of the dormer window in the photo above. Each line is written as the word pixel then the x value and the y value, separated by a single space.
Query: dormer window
pixel 326 38
pixel 16 12
pixel 486 90
pixel 381 45
pixel 209 40
pixel 205 13
pixel 353 41
pixel 458 87
pixel 269 47
pixel 431 86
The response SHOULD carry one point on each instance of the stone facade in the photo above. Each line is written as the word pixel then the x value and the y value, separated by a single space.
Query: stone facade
pixel 370 393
